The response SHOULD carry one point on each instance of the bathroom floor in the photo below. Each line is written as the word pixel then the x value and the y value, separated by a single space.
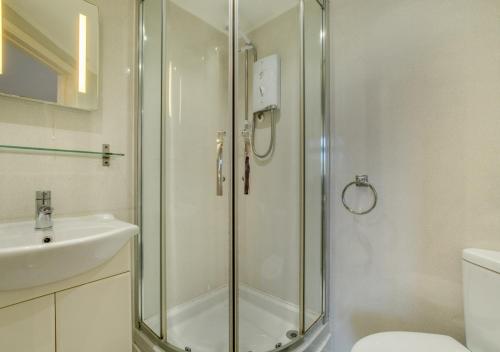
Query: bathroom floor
pixel 261 328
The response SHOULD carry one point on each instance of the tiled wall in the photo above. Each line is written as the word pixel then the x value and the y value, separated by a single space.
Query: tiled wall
pixel 79 185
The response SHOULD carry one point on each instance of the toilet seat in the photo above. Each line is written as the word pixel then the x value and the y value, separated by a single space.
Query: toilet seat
pixel 408 342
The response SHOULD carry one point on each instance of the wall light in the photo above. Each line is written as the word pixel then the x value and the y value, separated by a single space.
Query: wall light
pixel 82 55
pixel 1 38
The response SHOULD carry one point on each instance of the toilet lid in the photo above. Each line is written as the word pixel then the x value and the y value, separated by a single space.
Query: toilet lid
pixel 408 342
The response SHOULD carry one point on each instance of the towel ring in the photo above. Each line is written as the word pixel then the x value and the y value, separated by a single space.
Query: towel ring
pixel 360 181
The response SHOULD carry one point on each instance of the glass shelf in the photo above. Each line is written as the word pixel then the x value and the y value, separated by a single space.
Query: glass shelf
pixel 56 150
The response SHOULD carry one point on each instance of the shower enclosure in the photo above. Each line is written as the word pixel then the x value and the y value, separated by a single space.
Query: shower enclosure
pixel 233 164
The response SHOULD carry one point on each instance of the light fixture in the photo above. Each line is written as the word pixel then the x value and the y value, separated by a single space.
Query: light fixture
pixel 1 38
pixel 82 55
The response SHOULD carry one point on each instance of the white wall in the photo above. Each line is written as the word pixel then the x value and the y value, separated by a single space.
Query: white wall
pixel 80 185
pixel 416 106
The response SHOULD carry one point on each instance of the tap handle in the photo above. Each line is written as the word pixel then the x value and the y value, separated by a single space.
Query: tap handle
pixel 43 195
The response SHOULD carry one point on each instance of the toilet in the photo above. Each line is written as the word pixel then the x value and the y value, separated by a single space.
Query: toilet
pixel 481 283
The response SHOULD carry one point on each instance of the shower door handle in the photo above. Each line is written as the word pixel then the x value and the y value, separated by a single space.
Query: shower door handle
pixel 220 162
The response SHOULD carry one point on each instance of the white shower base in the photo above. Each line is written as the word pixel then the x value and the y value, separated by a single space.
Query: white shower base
pixel 202 324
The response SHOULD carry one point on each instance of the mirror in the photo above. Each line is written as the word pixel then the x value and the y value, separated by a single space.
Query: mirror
pixel 49 51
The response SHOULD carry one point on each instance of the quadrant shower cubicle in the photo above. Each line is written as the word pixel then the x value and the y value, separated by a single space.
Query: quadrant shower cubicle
pixel 233 174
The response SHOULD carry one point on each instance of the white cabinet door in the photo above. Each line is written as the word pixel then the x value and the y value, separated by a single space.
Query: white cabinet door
pixel 95 317
pixel 28 326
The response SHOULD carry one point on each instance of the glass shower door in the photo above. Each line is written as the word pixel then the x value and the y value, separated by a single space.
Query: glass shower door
pixel 186 167
pixel 197 157
pixel 268 168
pixel 151 164
pixel 314 160
pixel 231 263
pixel 280 169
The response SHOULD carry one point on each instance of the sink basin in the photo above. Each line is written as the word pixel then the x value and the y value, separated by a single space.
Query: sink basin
pixel 30 257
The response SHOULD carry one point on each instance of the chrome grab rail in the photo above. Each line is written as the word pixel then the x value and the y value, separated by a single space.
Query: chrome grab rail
pixel 220 162
pixel 246 152
pixel 360 181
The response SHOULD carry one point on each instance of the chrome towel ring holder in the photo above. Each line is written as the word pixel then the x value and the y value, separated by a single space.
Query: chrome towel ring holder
pixel 360 181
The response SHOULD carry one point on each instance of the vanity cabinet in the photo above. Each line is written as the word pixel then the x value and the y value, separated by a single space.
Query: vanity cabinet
pixel 88 313
pixel 29 326
pixel 95 317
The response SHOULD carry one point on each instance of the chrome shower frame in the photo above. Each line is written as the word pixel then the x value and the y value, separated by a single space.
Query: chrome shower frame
pixel 146 339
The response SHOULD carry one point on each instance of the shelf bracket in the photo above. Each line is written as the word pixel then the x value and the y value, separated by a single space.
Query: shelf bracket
pixel 106 158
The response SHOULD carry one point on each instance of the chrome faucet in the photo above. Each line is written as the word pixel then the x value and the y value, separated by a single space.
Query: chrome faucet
pixel 44 211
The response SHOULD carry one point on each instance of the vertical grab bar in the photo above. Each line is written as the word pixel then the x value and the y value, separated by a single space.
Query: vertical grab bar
pixel 220 162
pixel 246 152
pixel 247 168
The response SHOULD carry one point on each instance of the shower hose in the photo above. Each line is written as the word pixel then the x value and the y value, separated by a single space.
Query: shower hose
pixel 272 142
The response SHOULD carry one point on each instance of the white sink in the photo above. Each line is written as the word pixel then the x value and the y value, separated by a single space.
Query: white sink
pixel 76 245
